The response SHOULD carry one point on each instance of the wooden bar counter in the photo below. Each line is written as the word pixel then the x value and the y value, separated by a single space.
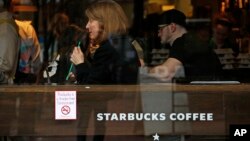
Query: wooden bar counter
pixel 29 110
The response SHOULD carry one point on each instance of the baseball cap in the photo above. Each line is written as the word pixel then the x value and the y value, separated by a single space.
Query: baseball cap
pixel 173 16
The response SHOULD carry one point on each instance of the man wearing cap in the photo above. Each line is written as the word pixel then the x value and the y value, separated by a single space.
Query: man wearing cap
pixel 199 61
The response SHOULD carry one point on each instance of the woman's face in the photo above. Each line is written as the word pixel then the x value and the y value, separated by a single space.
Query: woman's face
pixel 94 29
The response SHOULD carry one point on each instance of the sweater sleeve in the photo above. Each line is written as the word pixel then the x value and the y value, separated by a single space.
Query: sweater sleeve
pixel 99 70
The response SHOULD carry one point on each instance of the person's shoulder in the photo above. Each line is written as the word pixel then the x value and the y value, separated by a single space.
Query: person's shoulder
pixel 25 28
pixel 6 18
pixel 8 28
pixel 120 38
pixel 182 39
pixel 6 15
pixel 24 24
pixel 105 44
pixel 180 42
pixel 106 47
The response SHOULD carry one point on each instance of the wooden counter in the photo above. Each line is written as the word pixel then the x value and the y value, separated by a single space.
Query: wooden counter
pixel 28 110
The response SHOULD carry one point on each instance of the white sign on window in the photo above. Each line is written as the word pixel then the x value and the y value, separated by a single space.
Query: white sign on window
pixel 65 105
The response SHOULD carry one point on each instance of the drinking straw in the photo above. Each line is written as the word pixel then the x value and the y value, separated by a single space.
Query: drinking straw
pixel 71 65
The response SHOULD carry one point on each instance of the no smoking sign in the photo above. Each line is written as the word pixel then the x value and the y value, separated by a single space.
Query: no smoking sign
pixel 65 110
pixel 65 105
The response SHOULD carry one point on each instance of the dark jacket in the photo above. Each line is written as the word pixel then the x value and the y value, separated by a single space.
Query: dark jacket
pixel 114 62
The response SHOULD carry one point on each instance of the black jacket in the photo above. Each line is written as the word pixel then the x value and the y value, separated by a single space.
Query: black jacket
pixel 114 62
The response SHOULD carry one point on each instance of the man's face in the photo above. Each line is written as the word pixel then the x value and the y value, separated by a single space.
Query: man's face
pixel 164 33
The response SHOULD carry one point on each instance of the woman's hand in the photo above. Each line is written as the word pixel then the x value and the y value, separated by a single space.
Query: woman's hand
pixel 77 57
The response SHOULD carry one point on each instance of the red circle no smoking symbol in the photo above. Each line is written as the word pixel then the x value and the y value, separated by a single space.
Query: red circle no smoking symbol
pixel 65 110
